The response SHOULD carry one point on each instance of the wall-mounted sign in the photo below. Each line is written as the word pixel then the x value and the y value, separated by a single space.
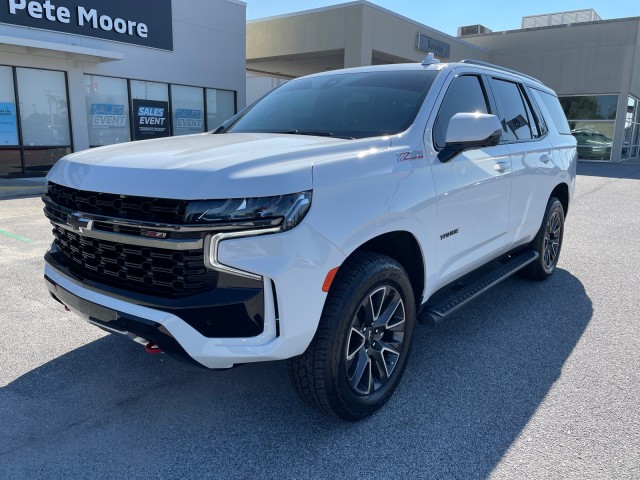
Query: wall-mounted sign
pixel 105 115
pixel 140 22
pixel 428 44
pixel 151 119
pixel 8 124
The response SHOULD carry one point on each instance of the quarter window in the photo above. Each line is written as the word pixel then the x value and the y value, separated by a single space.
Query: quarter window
pixel 465 95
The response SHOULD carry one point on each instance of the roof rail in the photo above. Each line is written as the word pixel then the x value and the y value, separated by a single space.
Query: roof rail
pixel 498 67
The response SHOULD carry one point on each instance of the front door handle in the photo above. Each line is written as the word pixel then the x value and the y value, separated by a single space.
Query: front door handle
pixel 501 166
pixel 545 158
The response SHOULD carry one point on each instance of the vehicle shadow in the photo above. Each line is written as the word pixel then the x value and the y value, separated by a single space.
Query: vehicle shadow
pixel 609 170
pixel 471 386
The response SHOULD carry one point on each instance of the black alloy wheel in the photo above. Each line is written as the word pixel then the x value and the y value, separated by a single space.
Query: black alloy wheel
pixel 548 243
pixel 375 340
pixel 360 350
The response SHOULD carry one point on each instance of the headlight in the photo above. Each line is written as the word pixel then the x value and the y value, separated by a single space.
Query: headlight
pixel 284 211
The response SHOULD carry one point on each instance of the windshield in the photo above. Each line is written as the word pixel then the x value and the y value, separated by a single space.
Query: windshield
pixel 345 105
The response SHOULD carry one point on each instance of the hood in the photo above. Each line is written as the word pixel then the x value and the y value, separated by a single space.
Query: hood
pixel 205 166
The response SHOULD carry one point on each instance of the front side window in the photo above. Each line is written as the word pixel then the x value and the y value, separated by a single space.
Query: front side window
pixel 465 95
pixel 347 105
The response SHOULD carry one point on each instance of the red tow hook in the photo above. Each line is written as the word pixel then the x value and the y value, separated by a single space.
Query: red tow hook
pixel 152 349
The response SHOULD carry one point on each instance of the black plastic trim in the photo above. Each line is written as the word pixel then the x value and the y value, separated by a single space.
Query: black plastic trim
pixel 121 322
pixel 234 309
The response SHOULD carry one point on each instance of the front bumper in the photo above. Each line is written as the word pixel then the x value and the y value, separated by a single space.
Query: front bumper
pixel 293 264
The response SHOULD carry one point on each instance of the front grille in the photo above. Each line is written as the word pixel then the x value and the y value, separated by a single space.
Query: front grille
pixel 154 271
pixel 160 210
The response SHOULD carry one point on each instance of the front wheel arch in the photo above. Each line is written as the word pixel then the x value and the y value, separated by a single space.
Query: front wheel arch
pixel 403 247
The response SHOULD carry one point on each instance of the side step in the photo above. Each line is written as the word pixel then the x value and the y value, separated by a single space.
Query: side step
pixel 452 297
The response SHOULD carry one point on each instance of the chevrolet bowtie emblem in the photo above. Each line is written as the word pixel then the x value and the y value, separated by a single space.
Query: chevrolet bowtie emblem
pixel 78 223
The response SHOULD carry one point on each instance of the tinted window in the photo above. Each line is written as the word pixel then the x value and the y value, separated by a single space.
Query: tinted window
pixel 516 120
pixel 542 126
pixel 554 109
pixel 465 95
pixel 355 105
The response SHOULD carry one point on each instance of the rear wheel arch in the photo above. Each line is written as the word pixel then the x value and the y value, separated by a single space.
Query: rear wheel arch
pixel 561 192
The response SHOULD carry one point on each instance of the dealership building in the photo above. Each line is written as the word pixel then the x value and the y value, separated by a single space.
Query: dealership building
pixel 593 64
pixel 76 74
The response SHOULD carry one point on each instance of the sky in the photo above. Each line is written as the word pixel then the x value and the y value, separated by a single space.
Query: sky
pixel 448 16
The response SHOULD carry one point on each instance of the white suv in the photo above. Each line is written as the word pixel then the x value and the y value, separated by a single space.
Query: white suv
pixel 318 224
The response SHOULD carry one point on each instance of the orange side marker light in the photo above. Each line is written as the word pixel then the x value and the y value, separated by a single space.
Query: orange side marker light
pixel 329 279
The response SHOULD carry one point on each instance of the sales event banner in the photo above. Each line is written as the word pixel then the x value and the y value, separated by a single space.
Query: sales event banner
pixel 189 120
pixel 151 119
pixel 8 124
pixel 147 23
pixel 105 115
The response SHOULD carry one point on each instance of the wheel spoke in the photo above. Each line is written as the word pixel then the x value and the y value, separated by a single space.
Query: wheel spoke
pixel 385 318
pixel 376 300
pixel 361 378
pixel 355 343
pixel 386 357
pixel 380 366
pixel 546 256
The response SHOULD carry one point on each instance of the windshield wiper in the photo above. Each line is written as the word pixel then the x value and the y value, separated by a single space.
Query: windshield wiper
pixel 316 134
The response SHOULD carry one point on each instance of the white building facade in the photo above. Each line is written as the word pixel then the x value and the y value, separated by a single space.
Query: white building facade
pixel 76 74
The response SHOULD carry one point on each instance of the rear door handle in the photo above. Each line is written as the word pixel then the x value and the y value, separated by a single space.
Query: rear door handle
pixel 501 166
pixel 545 158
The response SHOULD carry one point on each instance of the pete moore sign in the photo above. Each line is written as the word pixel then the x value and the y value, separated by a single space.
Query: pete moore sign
pixel 139 22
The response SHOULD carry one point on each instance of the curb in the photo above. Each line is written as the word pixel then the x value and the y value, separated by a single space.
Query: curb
pixel 21 188
pixel 19 193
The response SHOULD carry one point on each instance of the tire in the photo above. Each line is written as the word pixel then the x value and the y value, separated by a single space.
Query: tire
pixel 548 243
pixel 351 370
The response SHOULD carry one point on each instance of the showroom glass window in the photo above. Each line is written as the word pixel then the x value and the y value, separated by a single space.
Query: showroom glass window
pixel 631 143
pixel 187 105
pixel 221 106
pixel 592 121
pixel 34 121
pixel 107 103
pixel 10 155
pixel 465 95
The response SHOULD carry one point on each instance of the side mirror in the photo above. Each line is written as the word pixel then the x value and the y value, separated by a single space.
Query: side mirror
pixel 470 130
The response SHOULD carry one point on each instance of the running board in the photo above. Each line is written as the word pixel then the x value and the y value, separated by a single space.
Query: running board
pixel 449 299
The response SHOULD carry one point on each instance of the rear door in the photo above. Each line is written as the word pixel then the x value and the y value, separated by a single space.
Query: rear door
pixel 533 168
pixel 473 188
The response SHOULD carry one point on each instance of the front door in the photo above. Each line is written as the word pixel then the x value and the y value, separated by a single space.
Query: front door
pixel 473 189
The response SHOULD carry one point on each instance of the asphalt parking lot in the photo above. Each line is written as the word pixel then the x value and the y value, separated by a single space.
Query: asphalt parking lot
pixel 533 380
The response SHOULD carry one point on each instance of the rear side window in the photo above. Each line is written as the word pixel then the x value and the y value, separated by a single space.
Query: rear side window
pixel 465 95
pixel 555 110
pixel 516 117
